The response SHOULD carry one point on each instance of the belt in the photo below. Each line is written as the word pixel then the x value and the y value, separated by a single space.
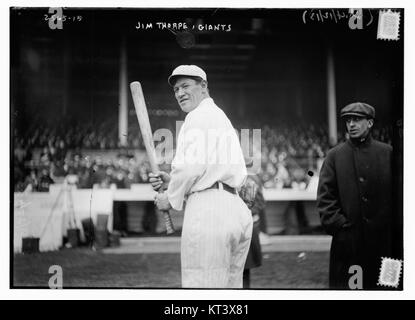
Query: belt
pixel 217 185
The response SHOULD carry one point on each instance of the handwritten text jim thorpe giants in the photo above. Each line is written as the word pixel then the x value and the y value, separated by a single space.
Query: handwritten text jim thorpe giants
pixel 182 26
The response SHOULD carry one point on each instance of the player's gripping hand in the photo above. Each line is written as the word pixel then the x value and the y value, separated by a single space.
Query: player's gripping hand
pixel 159 181
pixel 162 202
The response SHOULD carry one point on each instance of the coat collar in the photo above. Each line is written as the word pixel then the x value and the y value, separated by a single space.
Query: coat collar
pixel 360 143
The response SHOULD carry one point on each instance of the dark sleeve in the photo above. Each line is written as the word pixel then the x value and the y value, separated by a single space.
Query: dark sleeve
pixel 385 208
pixel 328 204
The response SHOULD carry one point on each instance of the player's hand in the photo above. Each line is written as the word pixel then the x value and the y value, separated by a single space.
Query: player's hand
pixel 159 180
pixel 162 202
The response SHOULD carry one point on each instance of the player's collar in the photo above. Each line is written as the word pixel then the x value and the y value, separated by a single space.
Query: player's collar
pixel 205 102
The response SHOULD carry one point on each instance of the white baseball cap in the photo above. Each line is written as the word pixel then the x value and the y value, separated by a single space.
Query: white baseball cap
pixel 187 70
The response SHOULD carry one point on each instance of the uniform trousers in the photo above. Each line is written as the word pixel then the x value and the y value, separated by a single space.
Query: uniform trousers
pixel 216 235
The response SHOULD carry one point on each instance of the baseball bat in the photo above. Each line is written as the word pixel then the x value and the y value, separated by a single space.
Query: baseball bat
pixel 145 128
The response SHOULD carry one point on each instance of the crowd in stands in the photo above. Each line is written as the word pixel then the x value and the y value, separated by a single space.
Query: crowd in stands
pixel 290 155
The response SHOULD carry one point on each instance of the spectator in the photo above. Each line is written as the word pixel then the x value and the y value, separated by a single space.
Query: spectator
pixel 32 180
pixel 44 181
pixel 285 148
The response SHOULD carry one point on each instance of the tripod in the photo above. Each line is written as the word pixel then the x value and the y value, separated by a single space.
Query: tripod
pixel 65 194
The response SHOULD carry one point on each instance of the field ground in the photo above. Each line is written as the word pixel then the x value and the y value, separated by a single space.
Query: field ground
pixel 86 268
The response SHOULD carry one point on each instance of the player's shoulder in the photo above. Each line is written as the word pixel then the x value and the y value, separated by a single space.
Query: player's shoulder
pixel 206 115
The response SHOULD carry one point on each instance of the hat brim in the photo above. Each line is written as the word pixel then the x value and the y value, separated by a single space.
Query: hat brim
pixel 361 115
pixel 172 79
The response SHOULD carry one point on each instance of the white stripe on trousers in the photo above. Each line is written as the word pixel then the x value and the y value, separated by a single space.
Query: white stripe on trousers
pixel 216 235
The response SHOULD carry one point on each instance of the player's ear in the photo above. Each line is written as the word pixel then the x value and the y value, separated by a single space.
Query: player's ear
pixel 370 123
pixel 204 85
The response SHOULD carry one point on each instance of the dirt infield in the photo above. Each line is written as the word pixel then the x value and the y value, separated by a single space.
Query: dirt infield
pixel 85 268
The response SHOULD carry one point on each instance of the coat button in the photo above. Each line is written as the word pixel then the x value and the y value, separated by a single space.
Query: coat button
pixel 361 179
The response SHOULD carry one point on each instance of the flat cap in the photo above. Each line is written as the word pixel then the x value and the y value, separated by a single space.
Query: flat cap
pixel 187 70
pixel 359 109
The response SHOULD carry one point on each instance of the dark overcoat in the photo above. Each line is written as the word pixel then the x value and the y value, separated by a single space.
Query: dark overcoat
pixel 354 201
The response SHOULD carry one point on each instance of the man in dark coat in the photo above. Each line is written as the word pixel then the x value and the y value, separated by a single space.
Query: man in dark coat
pixel 354 200
pixel 257 207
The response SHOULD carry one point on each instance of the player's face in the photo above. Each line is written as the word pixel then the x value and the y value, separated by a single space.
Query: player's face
pixel 358 127
pixel 188 93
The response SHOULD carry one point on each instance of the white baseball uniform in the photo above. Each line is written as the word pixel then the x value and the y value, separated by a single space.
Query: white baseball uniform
pixel 217 224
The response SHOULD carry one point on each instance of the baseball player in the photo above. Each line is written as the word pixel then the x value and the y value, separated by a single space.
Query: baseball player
pixel 207 170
